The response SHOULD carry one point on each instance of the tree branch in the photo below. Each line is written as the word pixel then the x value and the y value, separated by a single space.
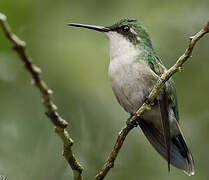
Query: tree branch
pixel 51 110
pixel 177 67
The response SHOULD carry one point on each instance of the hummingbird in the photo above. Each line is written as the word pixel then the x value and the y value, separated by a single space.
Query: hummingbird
pixel 133 71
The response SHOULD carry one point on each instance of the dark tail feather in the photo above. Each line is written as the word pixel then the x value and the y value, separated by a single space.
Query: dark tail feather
pixel 180 155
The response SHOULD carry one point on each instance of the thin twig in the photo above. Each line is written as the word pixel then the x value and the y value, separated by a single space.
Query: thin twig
pixel 146 106
pixel 51 110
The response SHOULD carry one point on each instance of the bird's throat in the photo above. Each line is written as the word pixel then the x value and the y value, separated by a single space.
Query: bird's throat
pixel 121 48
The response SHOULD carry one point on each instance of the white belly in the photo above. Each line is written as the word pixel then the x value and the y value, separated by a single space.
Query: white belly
pixel 131 83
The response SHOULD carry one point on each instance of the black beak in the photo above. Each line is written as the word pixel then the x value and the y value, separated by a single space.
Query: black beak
pixel 97 28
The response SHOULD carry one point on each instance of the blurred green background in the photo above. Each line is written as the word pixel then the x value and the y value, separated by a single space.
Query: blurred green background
pixel 74 63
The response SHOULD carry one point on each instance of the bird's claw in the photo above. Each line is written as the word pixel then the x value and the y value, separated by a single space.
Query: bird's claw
pixel 131 124
pixel 148 102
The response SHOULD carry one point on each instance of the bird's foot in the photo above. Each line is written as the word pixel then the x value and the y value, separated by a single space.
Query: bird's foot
pixel 151 103
pixel 131 124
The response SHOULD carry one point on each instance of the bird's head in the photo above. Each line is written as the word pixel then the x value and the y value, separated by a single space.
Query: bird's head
pixel 125 36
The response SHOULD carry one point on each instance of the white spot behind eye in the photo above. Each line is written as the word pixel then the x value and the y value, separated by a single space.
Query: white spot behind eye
pixel 138 38
pixel 133 31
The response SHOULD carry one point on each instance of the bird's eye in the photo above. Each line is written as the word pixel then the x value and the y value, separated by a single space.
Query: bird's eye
pixel 125 28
